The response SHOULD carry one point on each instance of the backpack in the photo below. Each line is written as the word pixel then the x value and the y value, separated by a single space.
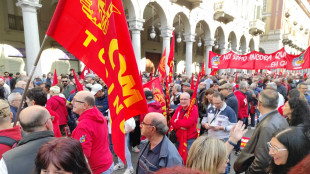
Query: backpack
pixel 8 141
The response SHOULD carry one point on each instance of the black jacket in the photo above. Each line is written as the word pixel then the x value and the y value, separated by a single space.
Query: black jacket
pixel 25 153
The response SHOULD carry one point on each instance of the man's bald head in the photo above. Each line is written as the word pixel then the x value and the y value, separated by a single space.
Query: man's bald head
pixel 34 118
pixel 87 96
pixel 83 100
pixel 158 121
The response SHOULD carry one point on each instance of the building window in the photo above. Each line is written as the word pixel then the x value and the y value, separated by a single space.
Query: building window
pixel 265 6
pixel 15 22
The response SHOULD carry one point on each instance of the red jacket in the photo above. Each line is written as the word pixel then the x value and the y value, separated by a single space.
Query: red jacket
pixel 243 110
pixel 190 124
pixel 14 133
pixel 56 129
pixel 58 104
pixel 92 132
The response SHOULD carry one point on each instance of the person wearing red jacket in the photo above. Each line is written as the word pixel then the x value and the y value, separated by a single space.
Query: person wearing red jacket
pixel 58 104
pixel 92 132
pixel 243 111
pixel 180 121
pixel 37 96
pixel 6 129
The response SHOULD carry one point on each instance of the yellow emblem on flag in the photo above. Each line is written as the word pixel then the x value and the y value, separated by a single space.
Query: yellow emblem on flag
pixel 105 12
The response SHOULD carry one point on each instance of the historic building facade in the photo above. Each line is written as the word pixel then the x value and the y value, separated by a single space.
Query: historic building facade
pixel 200 26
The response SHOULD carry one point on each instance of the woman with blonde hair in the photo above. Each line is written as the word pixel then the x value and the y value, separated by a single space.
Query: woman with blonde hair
pixel 208 154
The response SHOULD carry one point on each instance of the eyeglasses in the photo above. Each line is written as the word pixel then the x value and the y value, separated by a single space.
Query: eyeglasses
pixel 74 100
pixel 146 124
pixel 274 149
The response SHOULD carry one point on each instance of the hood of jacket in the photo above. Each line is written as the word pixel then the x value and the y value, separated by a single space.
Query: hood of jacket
pixel 60 99
pixel 92 114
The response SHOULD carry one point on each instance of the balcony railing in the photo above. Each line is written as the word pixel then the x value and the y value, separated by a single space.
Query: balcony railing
pixel 257 27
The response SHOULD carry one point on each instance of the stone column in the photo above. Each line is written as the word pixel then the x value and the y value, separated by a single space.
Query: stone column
pixel 166 34
pixel 189 39
pixel 224 50
pixel 136 26
pixel 31 32
pixel 209 43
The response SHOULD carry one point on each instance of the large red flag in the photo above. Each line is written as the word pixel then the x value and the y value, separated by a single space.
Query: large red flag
pixel 162 66
pixel 170 58
pixel 167 99
pixel 96 32
pixel 183 142
pixel 55 79
pixel 79 86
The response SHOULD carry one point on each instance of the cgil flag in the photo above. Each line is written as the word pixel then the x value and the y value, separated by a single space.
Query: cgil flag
pixel 162 66
pixel 96 32
pixel 170 58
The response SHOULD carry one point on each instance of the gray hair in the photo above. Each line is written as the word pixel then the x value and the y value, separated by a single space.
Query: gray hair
pixel 177 87
pixel 273 85
pixel 269 98
pixel 243 85
pixel 12 96
pixel 161 128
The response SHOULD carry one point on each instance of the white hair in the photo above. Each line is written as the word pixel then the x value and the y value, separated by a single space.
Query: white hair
pixel 12 96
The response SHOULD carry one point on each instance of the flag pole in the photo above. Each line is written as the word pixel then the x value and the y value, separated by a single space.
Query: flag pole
pixel 29 79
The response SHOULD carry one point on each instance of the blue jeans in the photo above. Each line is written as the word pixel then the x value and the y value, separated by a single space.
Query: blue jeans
pixel 110 144
pixel 110 170
pixel 127 153
pixel 189 144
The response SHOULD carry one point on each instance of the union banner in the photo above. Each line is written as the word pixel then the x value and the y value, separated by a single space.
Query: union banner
pixel 256 60
pixel 96 32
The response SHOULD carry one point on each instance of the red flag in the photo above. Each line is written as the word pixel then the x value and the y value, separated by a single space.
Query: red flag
pixel 79 86
pixel 162 65
pixel 203 71
pixel 305 76
pixel 170 58
pixel 167 99
pixel 213 72
pixel 236 78
pixel 158 93
pixel 55 79
pixel 183 142
pixel 192 82
pixel 96 32
pixel 85 71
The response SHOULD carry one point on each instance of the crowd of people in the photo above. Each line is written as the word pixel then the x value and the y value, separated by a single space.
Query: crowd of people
pixel 63 130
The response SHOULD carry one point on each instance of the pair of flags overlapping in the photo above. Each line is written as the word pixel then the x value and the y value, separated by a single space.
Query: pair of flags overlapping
pixel 96 32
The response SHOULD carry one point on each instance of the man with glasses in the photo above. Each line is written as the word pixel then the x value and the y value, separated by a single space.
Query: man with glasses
pixel 92 133
pixel 38 127
pixel 157 151
pixel 254 158
pixel 181 121
pixel 67 86
pixel 303 88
